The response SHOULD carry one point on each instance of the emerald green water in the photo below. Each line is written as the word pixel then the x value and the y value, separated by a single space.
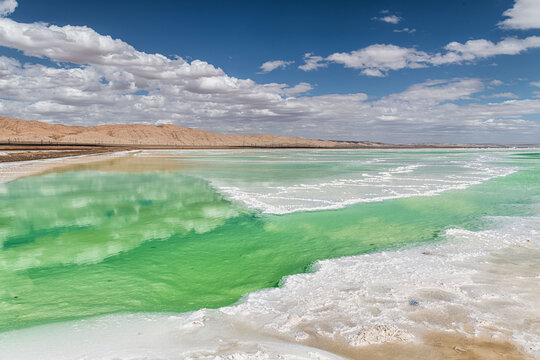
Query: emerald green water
pixel 88 242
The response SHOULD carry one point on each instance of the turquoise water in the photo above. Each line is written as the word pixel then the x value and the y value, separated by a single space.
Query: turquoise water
pixel 179 231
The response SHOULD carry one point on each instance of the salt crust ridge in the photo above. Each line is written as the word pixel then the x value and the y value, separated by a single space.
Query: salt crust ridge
pixel 295 198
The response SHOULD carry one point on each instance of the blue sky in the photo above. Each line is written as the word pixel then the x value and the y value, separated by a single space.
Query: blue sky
pixel 395 71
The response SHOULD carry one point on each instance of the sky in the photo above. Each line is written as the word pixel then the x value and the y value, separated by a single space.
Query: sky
pixel 392 71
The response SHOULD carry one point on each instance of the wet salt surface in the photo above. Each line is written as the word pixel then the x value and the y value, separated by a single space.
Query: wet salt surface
pixel 475 283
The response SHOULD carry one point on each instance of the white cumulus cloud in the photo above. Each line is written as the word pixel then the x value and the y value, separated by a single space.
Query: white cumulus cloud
pixel 83 45
pixel 507 95
pixel 391 19
pixel 523 16
pixel 273 65
pixel 7 7
pixel 312 62
pixel 300 88
pixel 378 59
pixel 482 48
pixel 405 30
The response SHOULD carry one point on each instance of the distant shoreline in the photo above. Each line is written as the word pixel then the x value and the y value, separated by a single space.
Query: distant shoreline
pixel 12 152
pixel 61 146
pixel 17 153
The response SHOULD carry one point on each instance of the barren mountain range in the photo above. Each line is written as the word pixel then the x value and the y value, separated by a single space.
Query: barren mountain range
pixel 17 131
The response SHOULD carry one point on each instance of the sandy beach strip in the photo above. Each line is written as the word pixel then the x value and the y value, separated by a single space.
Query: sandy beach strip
pixel 15 169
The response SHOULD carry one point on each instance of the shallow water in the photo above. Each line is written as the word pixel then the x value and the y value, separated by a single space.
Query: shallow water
pixel 201 229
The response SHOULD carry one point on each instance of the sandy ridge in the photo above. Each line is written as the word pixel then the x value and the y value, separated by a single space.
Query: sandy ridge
pixel 28 131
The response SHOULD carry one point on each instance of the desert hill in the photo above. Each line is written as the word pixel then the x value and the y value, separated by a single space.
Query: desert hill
pixel 15 131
